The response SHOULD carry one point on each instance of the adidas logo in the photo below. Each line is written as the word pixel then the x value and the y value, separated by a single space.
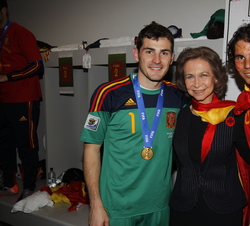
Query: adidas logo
pixel 130 102
pixel 22 119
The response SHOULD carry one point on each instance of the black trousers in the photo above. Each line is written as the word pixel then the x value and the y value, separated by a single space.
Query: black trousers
pixel 18 132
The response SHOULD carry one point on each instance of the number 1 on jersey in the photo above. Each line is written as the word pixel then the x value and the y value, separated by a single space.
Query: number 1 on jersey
pixel 132 115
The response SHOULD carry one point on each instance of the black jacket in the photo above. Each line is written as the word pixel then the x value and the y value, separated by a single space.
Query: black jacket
pixel 217 178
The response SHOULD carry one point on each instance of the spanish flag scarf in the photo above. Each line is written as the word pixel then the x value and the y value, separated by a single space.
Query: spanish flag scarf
pixel 213 113
pixel 243 105
pixel 243 102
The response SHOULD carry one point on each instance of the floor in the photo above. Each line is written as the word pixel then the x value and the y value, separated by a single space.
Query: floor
pixel 4 224
pixel 49 216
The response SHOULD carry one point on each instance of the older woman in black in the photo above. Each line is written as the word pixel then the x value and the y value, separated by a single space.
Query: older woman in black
pixel 207 191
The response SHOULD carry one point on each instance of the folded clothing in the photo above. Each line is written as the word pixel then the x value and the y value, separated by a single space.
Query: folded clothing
pixel 69 47
pixel 121 41
pixel 33 202
pixel 73 193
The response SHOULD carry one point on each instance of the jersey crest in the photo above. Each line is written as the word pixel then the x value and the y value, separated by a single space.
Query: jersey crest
pixel 171 119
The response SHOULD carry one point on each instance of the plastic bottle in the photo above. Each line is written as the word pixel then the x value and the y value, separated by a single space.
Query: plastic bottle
pixel 60 178
pixel 51 178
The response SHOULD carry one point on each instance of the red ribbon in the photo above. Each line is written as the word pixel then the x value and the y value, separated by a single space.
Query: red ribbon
pixel 243 103
pixel 216 103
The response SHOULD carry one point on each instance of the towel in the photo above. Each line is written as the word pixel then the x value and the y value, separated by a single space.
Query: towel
pixel 69 47
pixel 121 41
pixel 33 202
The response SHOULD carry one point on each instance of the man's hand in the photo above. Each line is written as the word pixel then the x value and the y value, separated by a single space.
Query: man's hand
pixel 98 217
pixel 92 167
pixel 3 78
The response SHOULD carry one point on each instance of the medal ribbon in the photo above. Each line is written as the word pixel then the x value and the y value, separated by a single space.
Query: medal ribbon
pixel 148 136
pixel 6 27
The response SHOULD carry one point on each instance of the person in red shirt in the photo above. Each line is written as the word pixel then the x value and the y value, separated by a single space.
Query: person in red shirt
pixel 21 66
pixel 238 52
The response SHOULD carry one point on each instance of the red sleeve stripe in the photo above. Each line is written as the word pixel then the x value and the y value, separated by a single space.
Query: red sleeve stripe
pixel 32 130
pixel 167 83
pixel 105 94
pixel 104 90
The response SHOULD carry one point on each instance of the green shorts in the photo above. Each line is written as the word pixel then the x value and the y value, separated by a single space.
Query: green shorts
pixel 160 218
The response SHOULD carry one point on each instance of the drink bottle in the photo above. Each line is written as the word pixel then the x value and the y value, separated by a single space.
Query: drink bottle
pixel 51 178
pixel 60 178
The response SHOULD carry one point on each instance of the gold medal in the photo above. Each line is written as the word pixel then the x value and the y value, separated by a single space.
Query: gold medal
pixel 147 153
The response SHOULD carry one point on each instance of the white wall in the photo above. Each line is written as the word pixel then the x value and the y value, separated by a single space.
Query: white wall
pixel 64 22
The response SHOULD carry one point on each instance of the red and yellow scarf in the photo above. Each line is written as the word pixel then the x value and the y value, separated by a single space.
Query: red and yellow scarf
pixel 243 102
pixel 243 105
pixel 213 113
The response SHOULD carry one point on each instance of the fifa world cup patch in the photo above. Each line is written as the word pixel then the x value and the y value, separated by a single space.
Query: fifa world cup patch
pixel 92 122
pixel 171 119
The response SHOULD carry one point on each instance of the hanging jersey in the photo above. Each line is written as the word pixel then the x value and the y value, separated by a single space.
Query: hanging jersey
pixel 19 48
